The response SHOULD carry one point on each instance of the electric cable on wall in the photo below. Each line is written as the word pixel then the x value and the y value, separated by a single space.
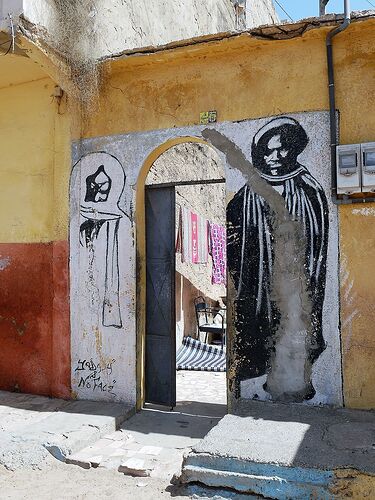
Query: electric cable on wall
pixel 282 8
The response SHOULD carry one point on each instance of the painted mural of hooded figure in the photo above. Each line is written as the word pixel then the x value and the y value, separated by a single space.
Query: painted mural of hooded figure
pixel 275 151
pixel 102 182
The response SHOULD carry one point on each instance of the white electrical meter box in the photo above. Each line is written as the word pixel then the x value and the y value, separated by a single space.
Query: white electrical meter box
pixel 368 167
pixel 348 160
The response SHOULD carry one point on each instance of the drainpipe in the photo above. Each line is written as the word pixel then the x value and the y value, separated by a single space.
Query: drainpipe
pixel 332 99
pixel 332 111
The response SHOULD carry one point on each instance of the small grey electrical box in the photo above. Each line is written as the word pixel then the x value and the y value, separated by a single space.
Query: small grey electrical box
pixel 368 167
pixel 348 160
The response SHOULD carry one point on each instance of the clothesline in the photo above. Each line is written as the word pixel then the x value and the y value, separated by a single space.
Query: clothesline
pixel 180 205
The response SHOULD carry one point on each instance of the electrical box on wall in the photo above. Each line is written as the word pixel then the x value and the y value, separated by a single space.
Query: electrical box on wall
pixel 368 166
pixel 348 160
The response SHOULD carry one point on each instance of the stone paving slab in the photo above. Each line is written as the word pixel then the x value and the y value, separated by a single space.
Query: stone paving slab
pixel 152 442
pixel 32 427
pixel 119 451
pixel 137 467
pixel 109 451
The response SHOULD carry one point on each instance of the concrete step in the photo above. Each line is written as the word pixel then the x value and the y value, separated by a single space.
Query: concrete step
pixel 267 480
pixel 33 427
pixel 285 452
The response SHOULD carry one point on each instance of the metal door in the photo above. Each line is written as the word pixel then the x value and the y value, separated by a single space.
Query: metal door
pixel 160 366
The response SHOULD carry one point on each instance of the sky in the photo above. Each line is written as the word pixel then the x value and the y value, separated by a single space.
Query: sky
pixel 299 9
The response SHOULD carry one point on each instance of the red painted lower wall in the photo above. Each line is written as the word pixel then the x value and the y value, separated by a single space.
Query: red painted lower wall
pixel 34 318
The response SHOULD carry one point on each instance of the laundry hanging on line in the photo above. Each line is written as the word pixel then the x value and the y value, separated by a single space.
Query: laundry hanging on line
pixel 218 251
pixel 192 237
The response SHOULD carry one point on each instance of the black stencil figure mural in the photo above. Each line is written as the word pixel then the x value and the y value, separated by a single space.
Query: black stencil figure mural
pixel 102 184
pixel 98 186
pixel 251 262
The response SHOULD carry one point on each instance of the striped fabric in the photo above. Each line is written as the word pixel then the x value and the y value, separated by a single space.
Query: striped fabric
pixel 196 355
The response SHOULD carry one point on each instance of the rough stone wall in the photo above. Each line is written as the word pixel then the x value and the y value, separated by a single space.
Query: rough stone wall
pixel 126 24
pixel 259 12
pixel 186 162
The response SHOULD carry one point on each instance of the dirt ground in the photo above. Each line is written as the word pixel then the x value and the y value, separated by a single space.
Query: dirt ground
pixel 175 432
pixel 61 481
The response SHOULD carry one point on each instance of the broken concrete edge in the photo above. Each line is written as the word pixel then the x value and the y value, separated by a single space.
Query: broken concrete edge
pixel 92 455
pixel 281 31
pixel 272 480
pixel 60 447
pixel 268 487
pixel 198 490
pixel 135 467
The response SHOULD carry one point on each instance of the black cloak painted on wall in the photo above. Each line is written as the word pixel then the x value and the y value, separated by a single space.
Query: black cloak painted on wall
pixel 275 150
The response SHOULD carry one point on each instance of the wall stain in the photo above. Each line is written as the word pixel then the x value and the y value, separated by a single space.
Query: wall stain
pixel 351 483
pixel 4 263
pixel 20 328
pixel 349 299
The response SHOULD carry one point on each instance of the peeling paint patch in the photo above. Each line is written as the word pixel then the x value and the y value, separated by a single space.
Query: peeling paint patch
pixel 349 300
pixel 4 263
pixel 351 483
pixel 366 211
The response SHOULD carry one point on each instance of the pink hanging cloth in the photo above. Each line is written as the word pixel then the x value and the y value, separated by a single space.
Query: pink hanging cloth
pixel 218 251
pixel 192 237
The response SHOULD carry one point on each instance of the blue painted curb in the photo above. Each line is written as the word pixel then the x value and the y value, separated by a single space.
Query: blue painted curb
pixel 268 480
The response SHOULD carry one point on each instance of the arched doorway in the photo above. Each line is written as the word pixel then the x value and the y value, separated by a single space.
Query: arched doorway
pixel 183 175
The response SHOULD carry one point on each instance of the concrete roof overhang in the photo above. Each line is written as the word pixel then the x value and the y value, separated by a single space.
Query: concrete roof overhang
pixel 273 32
pixel 33 60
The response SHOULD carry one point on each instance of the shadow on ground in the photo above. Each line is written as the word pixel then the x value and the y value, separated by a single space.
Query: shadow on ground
pixel 184 426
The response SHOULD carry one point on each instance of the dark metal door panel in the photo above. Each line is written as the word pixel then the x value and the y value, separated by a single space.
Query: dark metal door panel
pixel 160 297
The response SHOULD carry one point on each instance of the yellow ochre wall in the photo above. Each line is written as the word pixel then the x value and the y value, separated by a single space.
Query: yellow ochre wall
pixel 34 200
pixel 243 77
pixel 34 166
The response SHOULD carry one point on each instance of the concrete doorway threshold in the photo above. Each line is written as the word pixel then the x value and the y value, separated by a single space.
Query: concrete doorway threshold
pixel 288 451
pixel 152 442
